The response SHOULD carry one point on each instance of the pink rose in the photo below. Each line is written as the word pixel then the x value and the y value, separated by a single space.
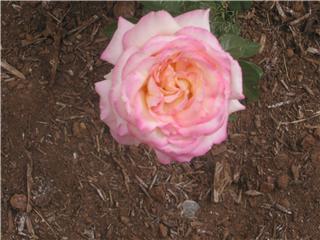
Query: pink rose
pixel 172 86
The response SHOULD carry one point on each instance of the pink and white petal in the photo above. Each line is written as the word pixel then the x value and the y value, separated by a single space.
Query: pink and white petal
pixel 152 24
pixel 103 88
pixel 142 116
pixel 208 141
pixel 196 18
pixel 155 138
pixel 163 158
pixel 116 95
pixel 201 35
pixel 157 43
pixel 124 139
pixel 234 106
pixel 236 80
pixel 118 127
pixel 115 48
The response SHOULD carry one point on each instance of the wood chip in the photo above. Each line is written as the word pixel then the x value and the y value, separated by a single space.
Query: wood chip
pixel 222 178
pixel 253 193
pixel 12 70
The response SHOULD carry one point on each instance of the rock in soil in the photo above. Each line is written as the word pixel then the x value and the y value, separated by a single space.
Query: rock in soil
pixel 19 202
pixel 163 230
pixel 283 181
pixel 266 187
pixel 189 208
pixel 125 220
pixel 308 142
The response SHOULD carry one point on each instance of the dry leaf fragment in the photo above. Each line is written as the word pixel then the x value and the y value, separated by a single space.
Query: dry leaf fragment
pixel 222 178
pixel 253 193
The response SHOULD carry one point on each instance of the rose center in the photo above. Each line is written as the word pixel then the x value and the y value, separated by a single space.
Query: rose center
pixel 171 85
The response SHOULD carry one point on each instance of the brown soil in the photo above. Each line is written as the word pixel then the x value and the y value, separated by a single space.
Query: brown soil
pixel 83 185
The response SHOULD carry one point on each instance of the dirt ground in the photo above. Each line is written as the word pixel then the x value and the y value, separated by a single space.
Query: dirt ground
pixel 82 185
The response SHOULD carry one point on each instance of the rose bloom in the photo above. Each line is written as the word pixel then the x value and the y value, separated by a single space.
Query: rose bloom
pixel 172 86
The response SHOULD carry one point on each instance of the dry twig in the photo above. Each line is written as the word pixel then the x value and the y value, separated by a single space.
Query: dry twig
pixel 12 70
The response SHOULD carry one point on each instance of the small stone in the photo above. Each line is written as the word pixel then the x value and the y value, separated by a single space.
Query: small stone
pixel 285 202
pixel 295 169
pixel 19 201
pixel 125 220
pixel 163 230
pixel 308 142
pixel 266 187
pixel 70 72
pixel 283 181
pixel 189 208
pixel 290 52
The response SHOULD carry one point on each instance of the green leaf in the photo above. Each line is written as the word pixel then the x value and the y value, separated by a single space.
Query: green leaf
pixel 240 5
pixel 220 27
pixel 251 74
pixel 110 29
pixel 239 47
pixel 232 118
pixel 173 7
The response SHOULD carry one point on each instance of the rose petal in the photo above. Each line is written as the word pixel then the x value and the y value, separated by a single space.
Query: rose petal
pixel 163 158
pixel 155 138
pixel 103 89
pixel 201 35
pixel 215 138
pixel 235 105
pixel 114 49
pixel 236 80
pixel 150 25
pixel 196 18
pixel 118 127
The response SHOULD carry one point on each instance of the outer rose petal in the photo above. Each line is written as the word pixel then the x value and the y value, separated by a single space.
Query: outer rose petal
pixel 118 127
pixel 125 139
pixel 113 51
pixel 150 25
pixel 235 105
pixel 167 159
pixel 201 35
pixel 236 80
pixel 215 138
pixel 196 18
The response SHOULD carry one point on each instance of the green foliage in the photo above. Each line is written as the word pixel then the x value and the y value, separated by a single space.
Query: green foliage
pixel 232 118
pixel 240 5
pixel 239 47
pixel 173 7
pixel 251 75
pixel 110 29
pixel 222 19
